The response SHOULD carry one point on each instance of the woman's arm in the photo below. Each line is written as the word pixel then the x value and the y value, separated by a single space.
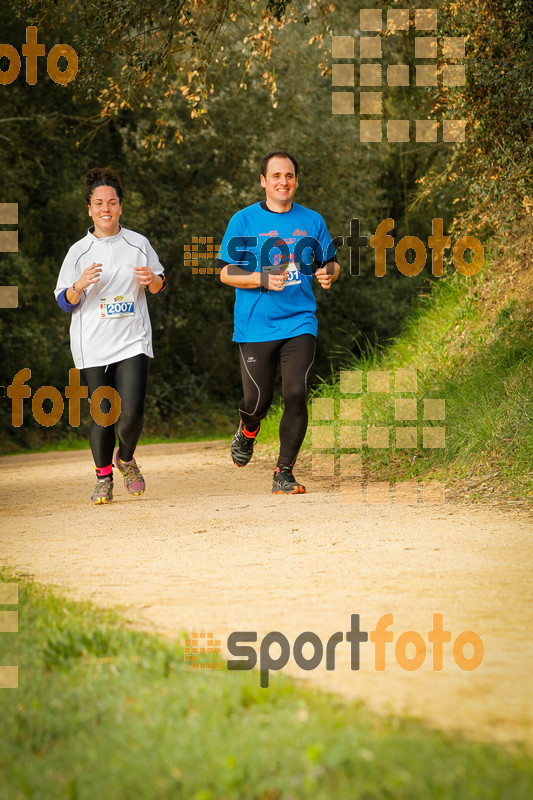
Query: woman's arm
pixel 153 282
pixel 87 278
pixel 156 284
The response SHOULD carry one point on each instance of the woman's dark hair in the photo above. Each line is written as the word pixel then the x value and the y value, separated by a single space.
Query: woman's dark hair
pixel 279 154
pixel 102 176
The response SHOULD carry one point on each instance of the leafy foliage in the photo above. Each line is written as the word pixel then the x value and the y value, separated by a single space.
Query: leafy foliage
pixel 493 169
pixel 187 125
pixel 127 49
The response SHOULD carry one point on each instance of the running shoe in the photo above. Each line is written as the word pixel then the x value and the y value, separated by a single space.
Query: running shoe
pixel 133 480
pixel 103 492
pixel 284 482
pixel 242 447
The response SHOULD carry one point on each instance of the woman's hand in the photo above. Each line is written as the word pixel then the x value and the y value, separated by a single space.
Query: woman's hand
pixel 147 278
pixel 88 277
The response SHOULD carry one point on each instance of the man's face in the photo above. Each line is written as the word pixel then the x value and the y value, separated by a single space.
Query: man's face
pixel 280 182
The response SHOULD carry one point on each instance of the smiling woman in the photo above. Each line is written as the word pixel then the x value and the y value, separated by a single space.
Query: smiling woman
pixel 102 283
pixel 105 209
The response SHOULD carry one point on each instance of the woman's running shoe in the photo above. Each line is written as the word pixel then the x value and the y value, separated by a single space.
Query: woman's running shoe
pixel 242 447
pixel 133 480
pixel 103 492
pixel 284 482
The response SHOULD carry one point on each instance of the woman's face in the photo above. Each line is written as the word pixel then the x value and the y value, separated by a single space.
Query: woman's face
pixel 105 210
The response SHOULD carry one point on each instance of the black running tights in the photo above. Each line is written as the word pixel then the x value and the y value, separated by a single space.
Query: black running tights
pixel 129 378
pixel 259 361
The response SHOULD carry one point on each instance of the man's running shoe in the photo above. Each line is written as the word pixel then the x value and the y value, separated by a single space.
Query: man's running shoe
pixel 133 480
pixel 242 447
pixel 285 483
pixel 103 492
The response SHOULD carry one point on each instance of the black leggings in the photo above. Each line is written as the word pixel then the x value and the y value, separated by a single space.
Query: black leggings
pixel 259 361
pixel 129 378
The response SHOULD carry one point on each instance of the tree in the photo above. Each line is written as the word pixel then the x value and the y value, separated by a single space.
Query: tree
pixel 126 48
pixel 492 170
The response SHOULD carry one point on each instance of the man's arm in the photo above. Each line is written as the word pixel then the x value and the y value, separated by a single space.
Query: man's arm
pixel 243 279
pixel 328 274
pixel 240 278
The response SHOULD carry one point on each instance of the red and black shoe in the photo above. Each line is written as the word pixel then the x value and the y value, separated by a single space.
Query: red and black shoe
pixel 284 482
pixel 242 446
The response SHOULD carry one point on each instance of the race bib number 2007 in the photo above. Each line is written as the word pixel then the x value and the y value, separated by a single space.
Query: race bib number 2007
pixel 120 306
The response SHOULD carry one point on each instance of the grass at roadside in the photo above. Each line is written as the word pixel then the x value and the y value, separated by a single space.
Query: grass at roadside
pixel 70 442
pixel 475 352
pixel 104 712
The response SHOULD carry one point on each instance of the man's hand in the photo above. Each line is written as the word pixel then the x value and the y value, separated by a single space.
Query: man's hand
pixel 276 280
pixel 327 274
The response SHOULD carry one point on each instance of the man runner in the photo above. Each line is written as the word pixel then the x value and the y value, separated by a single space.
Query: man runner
pixel 267 254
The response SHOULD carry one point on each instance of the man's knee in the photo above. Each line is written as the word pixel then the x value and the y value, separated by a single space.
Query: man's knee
pixel 295 400
pixel 256 410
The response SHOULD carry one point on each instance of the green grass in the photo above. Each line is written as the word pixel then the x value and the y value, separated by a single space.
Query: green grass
pixel 204 423
pixel 71 442
pixel 481 364
pixel 105 712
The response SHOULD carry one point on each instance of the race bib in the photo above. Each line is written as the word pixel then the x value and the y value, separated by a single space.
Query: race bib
pixel 294 276
pixel 293 273
pixel 119 306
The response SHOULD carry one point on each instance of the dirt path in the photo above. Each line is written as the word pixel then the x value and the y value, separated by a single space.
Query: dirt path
pixel 208 548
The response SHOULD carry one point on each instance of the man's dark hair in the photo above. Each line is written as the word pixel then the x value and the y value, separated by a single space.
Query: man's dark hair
pixel 102 176
pixel 277 154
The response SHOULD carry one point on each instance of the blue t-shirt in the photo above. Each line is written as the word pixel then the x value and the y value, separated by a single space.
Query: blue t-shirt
pixel 258 240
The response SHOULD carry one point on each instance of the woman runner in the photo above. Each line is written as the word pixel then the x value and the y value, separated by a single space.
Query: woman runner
pixel 102 284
